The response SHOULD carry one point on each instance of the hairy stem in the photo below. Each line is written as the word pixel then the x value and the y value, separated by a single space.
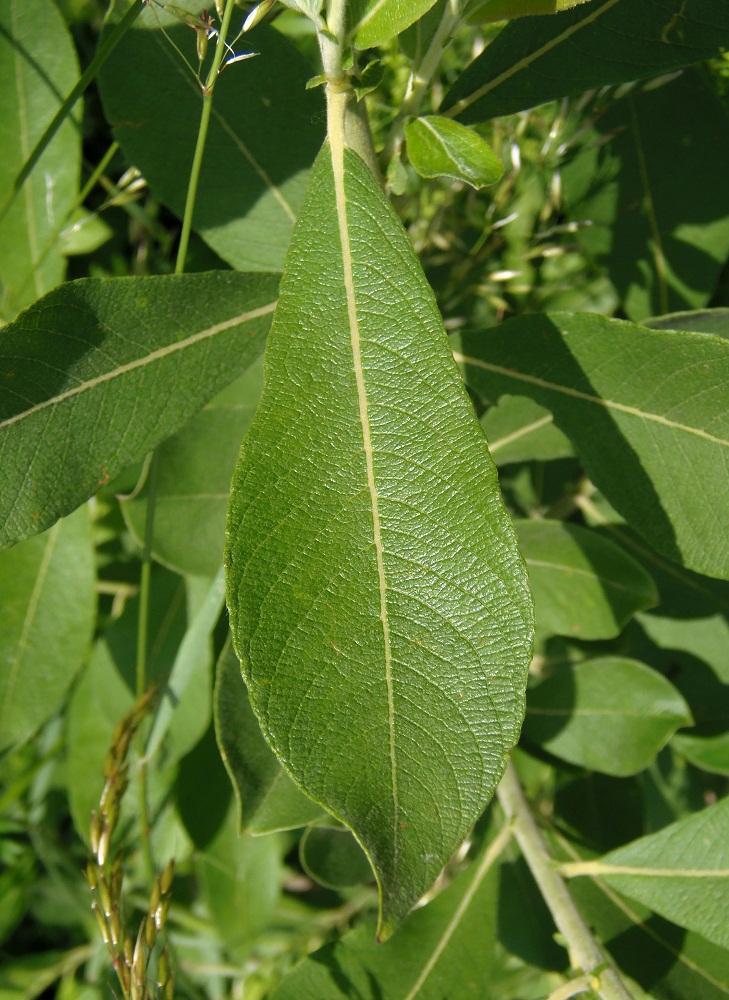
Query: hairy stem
pixel 585 952
pixel 202 135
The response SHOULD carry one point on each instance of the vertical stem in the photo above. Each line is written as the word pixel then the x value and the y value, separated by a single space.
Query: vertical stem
pixel 202 135
pixel 584 949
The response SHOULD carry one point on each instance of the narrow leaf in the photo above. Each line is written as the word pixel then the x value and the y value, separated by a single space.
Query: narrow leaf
pixel 130 358
pixel 583 585
pixel 499 10
pixel 378 603
pixel 375 22
pixel 608 41
pixel 47 608
pixel 265 131
pixel 714 321
pixel 444 949
pixel 662 241
pixel 646 411
pixel 439 147
pixel 268 800
pixel 610 714
pixel 38 67
pixel 680 872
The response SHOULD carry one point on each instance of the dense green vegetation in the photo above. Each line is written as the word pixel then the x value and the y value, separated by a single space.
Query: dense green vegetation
pixel 455 274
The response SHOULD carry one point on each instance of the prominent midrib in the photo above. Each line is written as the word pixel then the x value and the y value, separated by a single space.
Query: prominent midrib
pixel 573 869
pixel 608 404
pixel 336 141
pixel 148 359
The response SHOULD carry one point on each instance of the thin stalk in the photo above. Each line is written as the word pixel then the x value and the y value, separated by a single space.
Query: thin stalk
pixel 141 670
pixel 585 952
pixel 202 135
pixel 102 54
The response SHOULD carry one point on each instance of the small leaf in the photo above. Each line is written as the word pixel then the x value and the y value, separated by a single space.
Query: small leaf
pixel 133 359
pixel 268 800
pixel 535 59
pixel 520 430
pixel 500 10
pixel 38 67
pixel 333 858
pixel 640 406
pixel 378 603
pixel 47 608
pixel 375 22
pixel 610 714
pixel 439 147
pixel 444 949
pixel 680 872
pixel 583 584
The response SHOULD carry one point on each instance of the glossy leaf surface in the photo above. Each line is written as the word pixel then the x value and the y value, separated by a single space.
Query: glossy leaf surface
pixel 610 714
pixel 38 67
pixel 268 800
pixel 645 410
pixel 439 147
pixel 444 949
pixel 192 485
pixel 680 872
pixel 47 608
pixel 583 584
pixel 378 603
pixel 662 242
pixel 608 41
pixel 265 131
pixel 375 22
pixel 133 359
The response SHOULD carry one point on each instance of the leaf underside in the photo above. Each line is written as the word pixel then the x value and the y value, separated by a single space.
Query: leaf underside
pixel 378 602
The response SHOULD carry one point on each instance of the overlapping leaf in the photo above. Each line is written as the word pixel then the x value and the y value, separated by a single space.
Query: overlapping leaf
pixel 265 131
pixel 378 603
pixel 646 410
pixel 38 67
pixel 536 59
pixel 439 147
pixel 375 22
pixel 101 370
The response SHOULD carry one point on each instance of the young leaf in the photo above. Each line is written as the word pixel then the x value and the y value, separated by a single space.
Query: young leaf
pixel 268 800
pixel 38 67
pixel 375 22
pixel 133 359
pixel 378 603
pixel 444 949
pixel 265 131
pixel 607 41
pixel 610 714
pixel 662 241
pixel 192 485
pixel 645 410
pixel 47 607
pixel 500 10
pixel 520 430
pixel 680 872
pixel 439 147
pixel 583 585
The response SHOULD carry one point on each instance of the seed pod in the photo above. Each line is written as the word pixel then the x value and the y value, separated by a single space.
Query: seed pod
pixel 160 914
pixel 128 951
pixel 169 989
pixel 202 42
pixel 154 897
pixel 94 832
pixel 115 925
pixel 163 967
pixel 257 14
pixel 104 841
pixel 165 882
pixel 150 932
pixel 139 959
pixel 105 895
pixel 220 7
pixel 92 874
pixel 101 922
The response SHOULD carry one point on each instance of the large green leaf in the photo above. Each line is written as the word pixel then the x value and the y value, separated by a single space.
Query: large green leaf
pixel 646 410
pixel 611 715
pixel 663 241
pixel 445 949
pixel 583 585
pixel 192 483
pixel 47 607
pixel 608 41
pixel 375 22
pixel 265 131
pixel 133 359
pixel 268 800
pixel 680 872
pixel 38 67
pixel 378 603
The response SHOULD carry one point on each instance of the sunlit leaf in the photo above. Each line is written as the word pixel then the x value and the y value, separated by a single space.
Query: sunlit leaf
pixel 439 147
